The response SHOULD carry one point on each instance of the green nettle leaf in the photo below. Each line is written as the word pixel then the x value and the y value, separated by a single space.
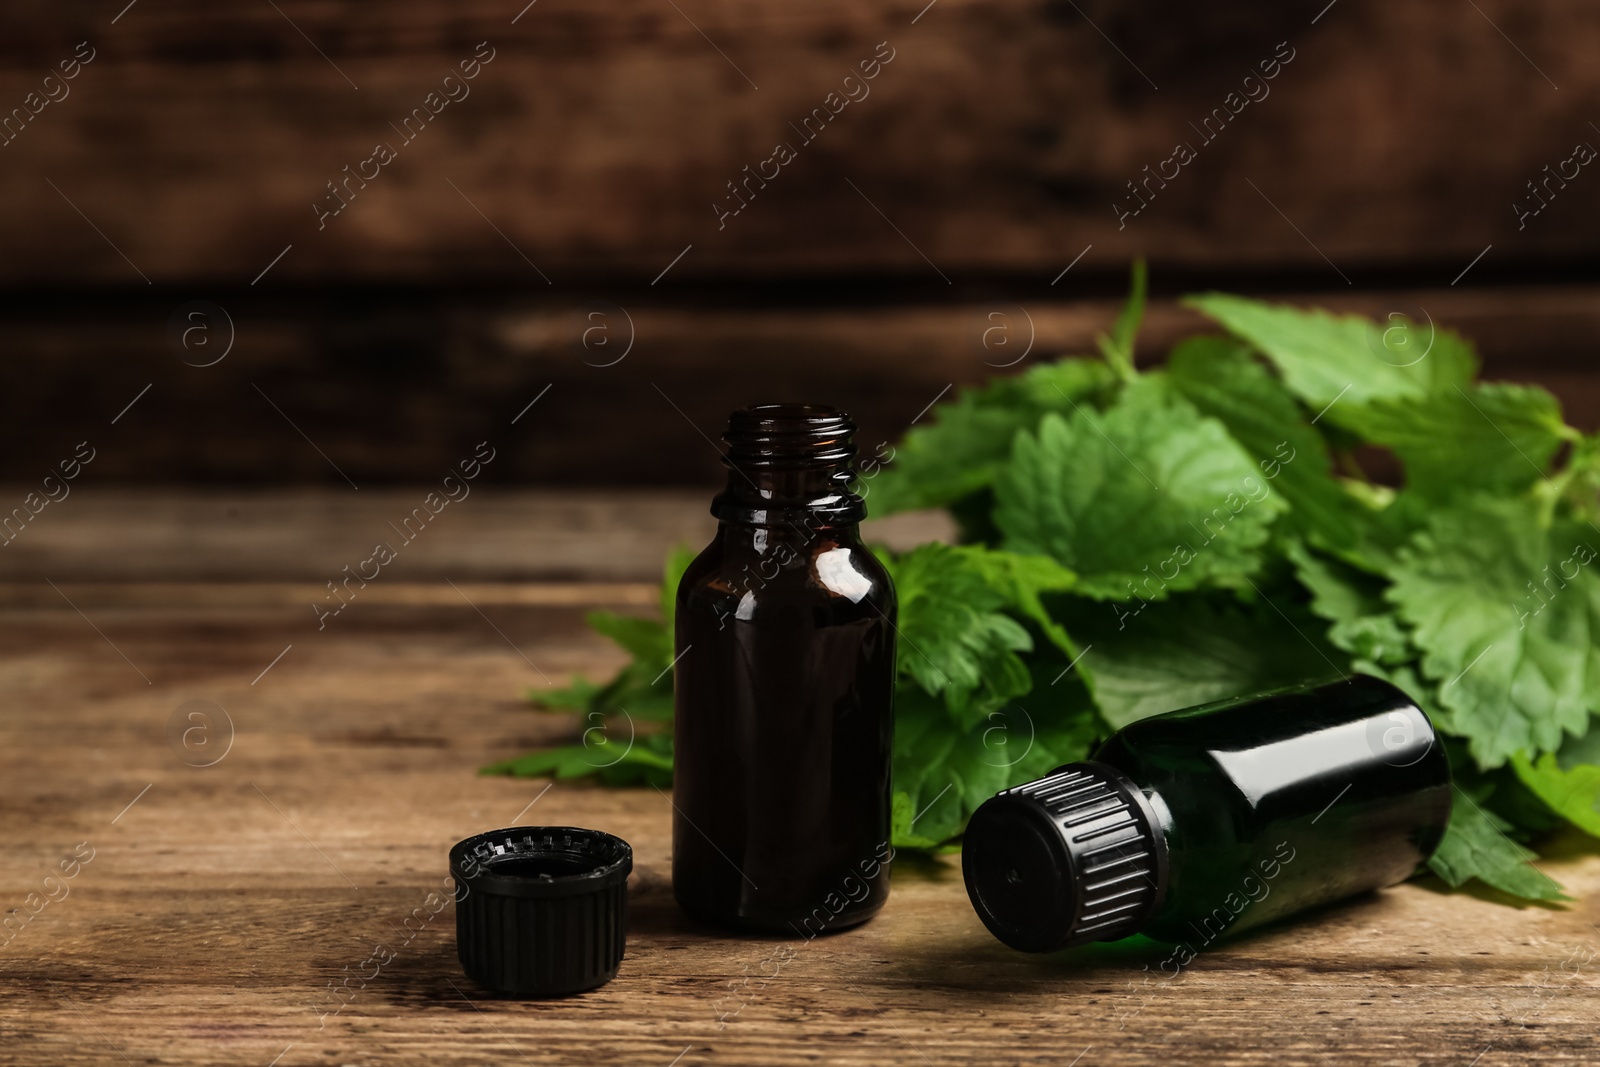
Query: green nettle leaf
pixel 1495 437
pixel 943 772
pixel 613 749
pixel 903 819
pixel 937 769
pixel 578 696
pixel 1364 624
pixel 643 689
pixel 970 439
pixel 1507 615
pixel 1218 376
pixel 621 760
pixel 1141 660
pixel 1567 781
pixel 1576 751
pixel 1475 846
pixel 644 639
pixel 1021 580
pixel 1580 483
pixel 1146 499
pixel 954 639
pixel 1338 363
pixel 1386 529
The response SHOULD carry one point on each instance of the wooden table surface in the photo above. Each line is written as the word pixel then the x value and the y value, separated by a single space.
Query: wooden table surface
pixel 212 907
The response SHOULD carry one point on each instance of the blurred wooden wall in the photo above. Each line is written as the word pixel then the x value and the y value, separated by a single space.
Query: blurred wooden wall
pixel 570 202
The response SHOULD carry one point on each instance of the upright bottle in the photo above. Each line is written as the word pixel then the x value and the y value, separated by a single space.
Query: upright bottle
pixel 1206 821
pixel 786 644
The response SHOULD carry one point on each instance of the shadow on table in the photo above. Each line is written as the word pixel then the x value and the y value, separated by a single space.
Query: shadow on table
pixel 429 975
pixel 969 960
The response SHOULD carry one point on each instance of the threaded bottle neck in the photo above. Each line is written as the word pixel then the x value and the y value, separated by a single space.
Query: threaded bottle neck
pixel 789 463
pixel 789 436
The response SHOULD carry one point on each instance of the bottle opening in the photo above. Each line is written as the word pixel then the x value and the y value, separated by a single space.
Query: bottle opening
pixel 782 435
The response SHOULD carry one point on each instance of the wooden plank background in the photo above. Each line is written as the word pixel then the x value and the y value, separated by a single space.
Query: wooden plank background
pixel 397 388
pixel 599 137
pixel 561 213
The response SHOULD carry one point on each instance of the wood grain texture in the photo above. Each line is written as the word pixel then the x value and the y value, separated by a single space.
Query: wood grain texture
pixel 289 543
pixel 221 901
pixel 599 138
pixel 399 387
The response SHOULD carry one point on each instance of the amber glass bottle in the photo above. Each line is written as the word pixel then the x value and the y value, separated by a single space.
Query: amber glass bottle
pixel 784 682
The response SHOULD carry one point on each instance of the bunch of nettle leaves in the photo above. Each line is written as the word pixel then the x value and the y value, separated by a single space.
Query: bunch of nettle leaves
pixel 1139 541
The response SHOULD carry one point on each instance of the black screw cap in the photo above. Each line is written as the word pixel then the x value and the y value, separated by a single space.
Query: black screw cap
pixel 541 910
pixel 1070 858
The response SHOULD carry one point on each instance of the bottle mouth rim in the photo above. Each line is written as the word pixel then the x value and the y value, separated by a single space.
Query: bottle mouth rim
pixel 789 435
pixel 786 415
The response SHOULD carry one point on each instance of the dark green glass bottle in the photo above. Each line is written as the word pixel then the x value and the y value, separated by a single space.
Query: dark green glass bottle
pixel 1210 820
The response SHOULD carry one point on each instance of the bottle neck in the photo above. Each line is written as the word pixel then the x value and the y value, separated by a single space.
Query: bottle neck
pixel 811 500
pixel 790 465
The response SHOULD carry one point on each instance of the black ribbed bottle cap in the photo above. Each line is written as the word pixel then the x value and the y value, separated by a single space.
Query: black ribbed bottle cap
pixel 1071 858
pixel 541 910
